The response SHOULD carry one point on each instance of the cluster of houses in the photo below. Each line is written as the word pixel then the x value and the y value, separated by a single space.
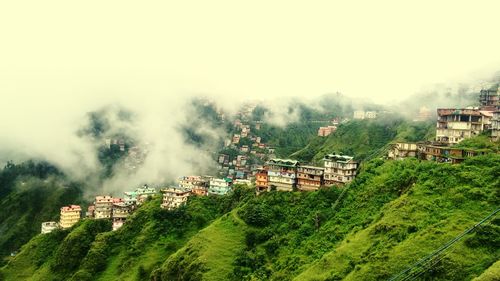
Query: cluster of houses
pixel 289 175
pixel 361 114
pixel 249 146
pixel 103 207
pixel 453 126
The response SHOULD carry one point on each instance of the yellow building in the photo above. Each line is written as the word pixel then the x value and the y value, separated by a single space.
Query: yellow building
pixel 69 216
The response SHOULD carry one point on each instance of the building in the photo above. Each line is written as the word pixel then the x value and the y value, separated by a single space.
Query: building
pixel 121 210
pixel 103 207
pixel 90 211
pixel 236 139
pixel 370 114
pixel 402 150
pixel 326 131
pixel 261 181
pixel 489 99
pixel 495 126
pixel 454 125
pixel 220 186
pixel 282 174
pixel 309 178
pixel 69 216
pixel 445 154
pixel 198 185
pixel 173 197
pixel 359 114
pixel 140 194
pixel 49 226
pixel 339 169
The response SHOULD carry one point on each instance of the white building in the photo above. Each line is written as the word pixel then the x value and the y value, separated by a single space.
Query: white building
pixel 220 186
pixel 359 114
pixel 103 207
pixel 455 124
pixel 49 226
pixel 495 126
pixel 339 169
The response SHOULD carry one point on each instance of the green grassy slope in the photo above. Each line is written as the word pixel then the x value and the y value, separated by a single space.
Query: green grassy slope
pixel 209 254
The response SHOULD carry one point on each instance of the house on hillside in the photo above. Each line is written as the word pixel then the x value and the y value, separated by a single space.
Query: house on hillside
pixel 454 125
pixel 401 150
pixel 103 207
pixel 49 226
pixel 339 169
pixel 173 197
pixel 282 174
pixel 69 216
pixel 309 178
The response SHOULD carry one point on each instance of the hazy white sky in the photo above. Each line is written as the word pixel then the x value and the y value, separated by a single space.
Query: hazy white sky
pixel 61 59
pixel 136 49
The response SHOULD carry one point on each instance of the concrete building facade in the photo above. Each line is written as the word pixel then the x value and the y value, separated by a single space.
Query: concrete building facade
pixel 69 216
pixel 339 169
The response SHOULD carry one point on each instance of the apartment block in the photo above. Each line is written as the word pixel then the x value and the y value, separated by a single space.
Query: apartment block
pixel 454 125
pixel 261 181
pixel 220 186
pixel 69 216
pixel 282 174
pixel 339 169
pixel 173 197
pixel 401 150
pixel 103 207
pixel 309 178
pixel 495 126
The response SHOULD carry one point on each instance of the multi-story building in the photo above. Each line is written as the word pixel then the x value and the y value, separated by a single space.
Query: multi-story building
pixel 69 216
pixel 309 177
pixel 402 150
pixel 339 169
pixel 454 125
pixel 173 197
pixel 445 154
pixel 90 211
pixel 370 114
pixel 198 185
pixel 490 99
pixel 121 210
pixel 103 207
pixel 49 226
pixel 359 114
pixel 140 194
pixel 495 126
pixel 282 174
pixel 261 181
pixel 326 131
pixel 220 186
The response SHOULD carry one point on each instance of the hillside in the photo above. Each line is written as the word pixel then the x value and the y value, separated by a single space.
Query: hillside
pixel 365 139
pixel 394 213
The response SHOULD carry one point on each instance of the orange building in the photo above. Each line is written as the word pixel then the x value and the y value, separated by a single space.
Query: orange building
pixel 261 181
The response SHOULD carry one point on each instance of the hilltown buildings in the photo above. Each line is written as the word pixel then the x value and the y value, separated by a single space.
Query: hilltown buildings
pixel 309 177
pixel 438 152
pixel 360 114
pixel 220 186
pixel 173 198
pixel 454 125
pixel 282 174
pixel 140 194
pixel 103 207
pixel 339 169
pixel 326 131
pixel 261 181
pixel 121 210
pixel 49 226
pixel 69 216
pixel 495 126
pixel 402 150
pixel 198 185
pixel 490 99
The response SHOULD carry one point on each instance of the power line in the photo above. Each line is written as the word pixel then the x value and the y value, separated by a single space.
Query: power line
pixel 420 265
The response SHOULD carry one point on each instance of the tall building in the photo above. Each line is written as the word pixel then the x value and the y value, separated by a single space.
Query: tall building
pixel 173 197
pixel 402 150
pixel 495 126
pixel 454 125
pixel 220 186
pixel 69 216
pixel 282 174
pixel 103 207
pixel 121 211
pixel 261 180
pixel 489 99
pixel 309 177
pixel 339 169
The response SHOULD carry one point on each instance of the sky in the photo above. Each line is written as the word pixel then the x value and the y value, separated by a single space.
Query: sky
pixel 61 59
